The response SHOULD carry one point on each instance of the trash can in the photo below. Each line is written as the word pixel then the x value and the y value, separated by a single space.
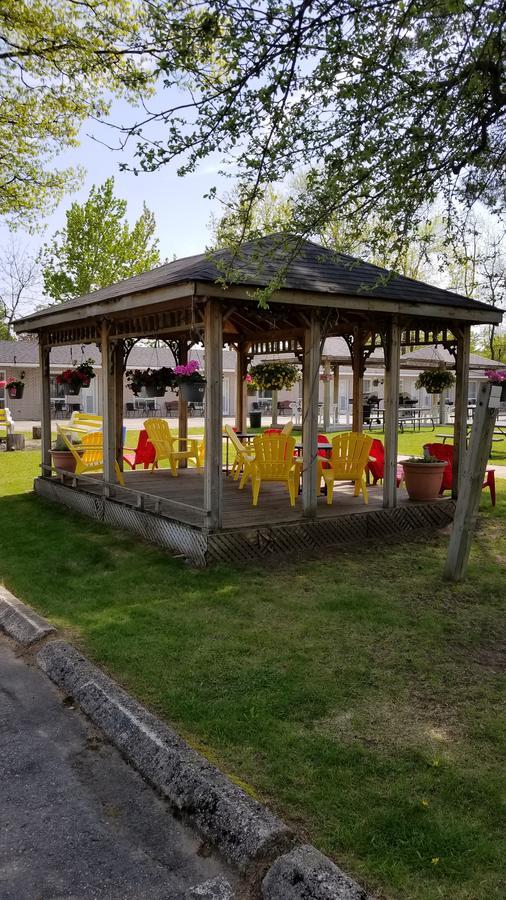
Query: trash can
pixel 255 418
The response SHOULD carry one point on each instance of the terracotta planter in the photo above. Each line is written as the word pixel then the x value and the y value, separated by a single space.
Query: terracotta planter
pixel 192 391
pixel 63 459
pixel 423 480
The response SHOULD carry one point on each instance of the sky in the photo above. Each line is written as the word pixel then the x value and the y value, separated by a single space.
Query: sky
pixel 181 212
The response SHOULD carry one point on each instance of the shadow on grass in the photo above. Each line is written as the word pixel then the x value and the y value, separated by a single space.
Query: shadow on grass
pixel 344 690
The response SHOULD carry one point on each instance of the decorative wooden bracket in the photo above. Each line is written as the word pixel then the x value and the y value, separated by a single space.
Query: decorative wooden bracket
pixel 359 351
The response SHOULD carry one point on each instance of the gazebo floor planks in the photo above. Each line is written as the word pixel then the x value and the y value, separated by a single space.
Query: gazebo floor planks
pixel 238 511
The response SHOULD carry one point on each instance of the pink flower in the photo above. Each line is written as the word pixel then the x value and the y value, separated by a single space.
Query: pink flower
pixel 3 384
pixel 496 375
pixel 249 379
pixel 188 369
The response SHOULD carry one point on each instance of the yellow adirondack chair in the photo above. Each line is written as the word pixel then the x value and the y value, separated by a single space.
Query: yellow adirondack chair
pixel 167 446
pixel 243 455
pixel 273 462
pixel 350 455
pixel 89 455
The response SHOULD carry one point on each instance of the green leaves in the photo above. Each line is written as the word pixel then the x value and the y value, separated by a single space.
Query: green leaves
pixel 390 104
pixel 60 62
pixel 97 247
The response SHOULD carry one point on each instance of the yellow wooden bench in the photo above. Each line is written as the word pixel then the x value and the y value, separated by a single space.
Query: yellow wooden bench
pixel 84 422
pixel 6 422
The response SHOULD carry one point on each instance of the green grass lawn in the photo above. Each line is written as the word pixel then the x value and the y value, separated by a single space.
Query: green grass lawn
pixel 357 693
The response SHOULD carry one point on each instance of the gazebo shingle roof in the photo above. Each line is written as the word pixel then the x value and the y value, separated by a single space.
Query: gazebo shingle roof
pixel 313 268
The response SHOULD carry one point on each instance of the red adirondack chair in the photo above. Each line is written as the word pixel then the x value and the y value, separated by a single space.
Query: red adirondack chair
pixel 323 439
pixel 376 467
pixel 144 452
pixel 445 451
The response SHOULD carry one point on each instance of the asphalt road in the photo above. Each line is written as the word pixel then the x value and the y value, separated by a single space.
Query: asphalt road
pixel 75 820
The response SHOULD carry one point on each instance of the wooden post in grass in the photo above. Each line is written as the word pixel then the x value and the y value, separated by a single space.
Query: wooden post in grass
pixel 487 407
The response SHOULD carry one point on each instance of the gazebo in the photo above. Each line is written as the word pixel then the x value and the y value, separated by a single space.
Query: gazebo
pixel 200 300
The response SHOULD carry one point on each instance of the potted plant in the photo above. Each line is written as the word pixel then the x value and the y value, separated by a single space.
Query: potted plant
pixel 498 376
pixel 423 476
pixel 61 456
pixel 435 381
pixel 274 376
pixel 14 386
pixel 77 377
pixel 190 382
pixel 150 382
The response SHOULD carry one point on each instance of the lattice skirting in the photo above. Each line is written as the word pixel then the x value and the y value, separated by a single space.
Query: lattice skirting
pixel 240 545
pixel 168 533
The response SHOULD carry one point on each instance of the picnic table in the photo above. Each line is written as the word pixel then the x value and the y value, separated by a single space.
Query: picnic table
pixel 412 415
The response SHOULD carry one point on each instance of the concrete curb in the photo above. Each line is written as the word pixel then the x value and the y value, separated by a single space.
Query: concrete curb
pixel 306 874
pixel 20 622
pixel 244 831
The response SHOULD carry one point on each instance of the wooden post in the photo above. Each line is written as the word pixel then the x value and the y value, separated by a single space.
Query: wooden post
pixel 326 395
pixel 311 371
pixel 336 394
pixel 274 409
pixel 442 408
pixel 118 352
pixel 241 392
pixel 45 406
pixel 358 383
pixel 108 406
pixel 213 472
pixel 391 402
pixel 475 464
pixel 461 400
pixel 183 404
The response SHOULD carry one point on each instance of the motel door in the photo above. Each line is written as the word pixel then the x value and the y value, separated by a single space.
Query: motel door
pixel 2 391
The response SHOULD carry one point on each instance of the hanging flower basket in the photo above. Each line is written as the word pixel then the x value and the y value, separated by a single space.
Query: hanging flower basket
pixel 15 390
pixel 435 381
pixel 192 392
pixel 274 376
pixel 14 386
pixel 150 382
pixel 190 382
pixel 79 376
pixel 498 377
pixel 250 386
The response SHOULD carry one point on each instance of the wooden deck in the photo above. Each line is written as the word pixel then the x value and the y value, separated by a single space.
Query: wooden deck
pixel 238 511
pixel 169 511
